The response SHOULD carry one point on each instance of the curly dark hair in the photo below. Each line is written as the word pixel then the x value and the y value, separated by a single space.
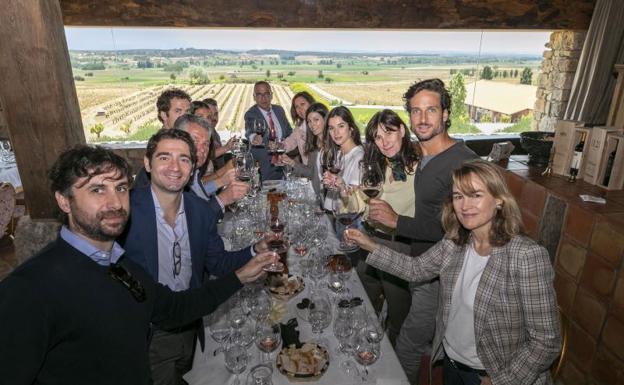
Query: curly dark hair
pixel 313 143
pixel 163 104
pixel 331 148
pixel 85 161
pixel 388 120
pixel 434 85
pixel 293 111
pixel 171 133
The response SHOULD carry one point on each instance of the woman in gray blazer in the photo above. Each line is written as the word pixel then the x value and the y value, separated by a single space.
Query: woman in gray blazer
pixel 315 119
pixel 497 320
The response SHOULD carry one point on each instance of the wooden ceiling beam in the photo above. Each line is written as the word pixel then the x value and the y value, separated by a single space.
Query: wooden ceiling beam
pixel 359 14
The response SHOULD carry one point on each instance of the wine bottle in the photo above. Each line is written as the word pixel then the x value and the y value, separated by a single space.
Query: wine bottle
pixel 577 158
pixel 609 168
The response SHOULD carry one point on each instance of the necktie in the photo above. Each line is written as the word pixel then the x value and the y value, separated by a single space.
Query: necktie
pixel 272 136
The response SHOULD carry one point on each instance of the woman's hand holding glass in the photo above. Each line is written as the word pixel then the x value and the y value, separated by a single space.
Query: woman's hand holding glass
pixel 361 239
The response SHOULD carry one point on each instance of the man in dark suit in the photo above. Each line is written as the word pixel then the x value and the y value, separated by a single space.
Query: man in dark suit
pixel 172 234
pixel 277 128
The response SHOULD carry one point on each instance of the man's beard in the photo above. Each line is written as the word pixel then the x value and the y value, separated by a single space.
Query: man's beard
pixel 434 132
pixel 92 227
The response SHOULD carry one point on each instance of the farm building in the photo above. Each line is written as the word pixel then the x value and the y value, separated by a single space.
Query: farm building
pixel 487 100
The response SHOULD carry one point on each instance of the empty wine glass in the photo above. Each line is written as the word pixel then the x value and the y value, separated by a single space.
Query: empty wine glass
pixel 268 338
pixel 374 330
pixel 219 327
pixel 319 311
pixel 236 359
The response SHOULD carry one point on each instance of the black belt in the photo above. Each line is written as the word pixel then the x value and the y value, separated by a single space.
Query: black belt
pixel 465 368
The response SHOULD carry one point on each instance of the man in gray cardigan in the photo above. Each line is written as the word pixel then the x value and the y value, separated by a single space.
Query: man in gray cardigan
pixel 428 103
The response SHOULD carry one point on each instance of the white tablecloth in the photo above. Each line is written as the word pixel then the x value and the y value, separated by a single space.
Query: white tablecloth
pixel 208 369
pixel 9 173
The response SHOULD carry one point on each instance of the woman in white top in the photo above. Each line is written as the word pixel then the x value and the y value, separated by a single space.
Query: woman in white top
pixel 300 104
pixel 497 320
pixel 342 140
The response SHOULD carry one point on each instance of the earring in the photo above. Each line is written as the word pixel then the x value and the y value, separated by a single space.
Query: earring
pixel 499 206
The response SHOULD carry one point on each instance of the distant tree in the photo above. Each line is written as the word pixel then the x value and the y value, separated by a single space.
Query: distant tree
pixel 338 65
pixel 221 77
pixel 457 89
pixel 125 127
pixel 79 78
pixel 280 75
pixel 487 73
pixel 268 73
pixel 328 80
pixel 198 76
pixel 505 74
pixel 95 66
pixel 291 73
pixel 97 129
pixel 515 75
pixel 364 72
pixel 172 77
pixel 527 76
pixel 320 74
pixel 88 74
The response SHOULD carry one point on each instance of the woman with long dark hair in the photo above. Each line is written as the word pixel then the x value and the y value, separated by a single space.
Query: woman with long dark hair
pixel 313 147
pixel 497 320
pixel 390 161
pixel 300 104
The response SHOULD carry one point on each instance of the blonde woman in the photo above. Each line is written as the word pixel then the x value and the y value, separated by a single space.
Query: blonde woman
pixel 497 320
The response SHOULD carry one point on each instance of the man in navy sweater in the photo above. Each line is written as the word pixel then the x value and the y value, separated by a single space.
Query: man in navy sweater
pixel 79 312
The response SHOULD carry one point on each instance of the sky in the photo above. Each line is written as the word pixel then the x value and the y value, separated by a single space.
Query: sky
pixel 387 41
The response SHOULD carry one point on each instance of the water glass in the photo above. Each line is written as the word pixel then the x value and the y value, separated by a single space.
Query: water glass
pixel 236 359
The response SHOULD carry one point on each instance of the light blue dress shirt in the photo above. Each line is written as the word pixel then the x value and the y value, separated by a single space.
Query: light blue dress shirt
pixel 101 257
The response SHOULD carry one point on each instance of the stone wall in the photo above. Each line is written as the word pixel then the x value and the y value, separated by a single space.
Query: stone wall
pixel 4 129
pixel 555 80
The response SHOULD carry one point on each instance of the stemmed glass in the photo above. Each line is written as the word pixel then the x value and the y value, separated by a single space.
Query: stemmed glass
pixel 371 179
pixel 366 353
pixel 259 128
pixel 319 311
pixel 336 166
pixel 345 333
pixel 219 327
pixel 268 338
pixel 374 330
pixel 347 211
pixel 236 359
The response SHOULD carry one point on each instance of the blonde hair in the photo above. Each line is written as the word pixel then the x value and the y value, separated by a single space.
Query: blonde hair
pixel 507 221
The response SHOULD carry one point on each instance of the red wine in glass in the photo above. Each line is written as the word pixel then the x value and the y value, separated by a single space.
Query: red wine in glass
pixel 371 192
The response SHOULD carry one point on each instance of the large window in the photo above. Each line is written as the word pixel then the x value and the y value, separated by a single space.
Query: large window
pixel 119 72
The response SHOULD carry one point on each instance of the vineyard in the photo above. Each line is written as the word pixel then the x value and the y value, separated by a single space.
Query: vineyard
pixel 124 115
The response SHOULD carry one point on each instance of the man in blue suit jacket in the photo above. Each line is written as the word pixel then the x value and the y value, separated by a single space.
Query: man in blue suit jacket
pixel 273 116
pixel 172 234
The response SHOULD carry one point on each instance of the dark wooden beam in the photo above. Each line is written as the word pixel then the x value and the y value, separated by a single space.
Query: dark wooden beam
pixel 392 14
pixel 38 95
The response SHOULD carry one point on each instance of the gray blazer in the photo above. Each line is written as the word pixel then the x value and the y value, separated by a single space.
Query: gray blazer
pixel 310 171
pixel 267 170
pixel 515 310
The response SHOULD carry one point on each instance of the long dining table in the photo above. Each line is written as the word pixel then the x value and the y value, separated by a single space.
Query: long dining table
pixel 209 368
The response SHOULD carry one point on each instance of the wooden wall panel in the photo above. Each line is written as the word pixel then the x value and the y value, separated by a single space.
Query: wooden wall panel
pixel 391 14
pixel 37 94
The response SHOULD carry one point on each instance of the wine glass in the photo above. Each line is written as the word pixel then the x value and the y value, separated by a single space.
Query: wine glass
pixel 236 315
pixel 236 359
pixel 259 128
pixel 319 311
pixel 336 166
pixel 219 327
pixel 371 179
pixel 268 338
pixel 347 211
pixel 374 330
pixel 366 353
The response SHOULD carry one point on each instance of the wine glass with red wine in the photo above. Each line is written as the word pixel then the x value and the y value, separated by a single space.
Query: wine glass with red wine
pixel 371 180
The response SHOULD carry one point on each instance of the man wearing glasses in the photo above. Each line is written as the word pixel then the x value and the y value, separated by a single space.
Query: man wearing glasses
pixel 79 312
pixel 172 234
pixel 266 124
